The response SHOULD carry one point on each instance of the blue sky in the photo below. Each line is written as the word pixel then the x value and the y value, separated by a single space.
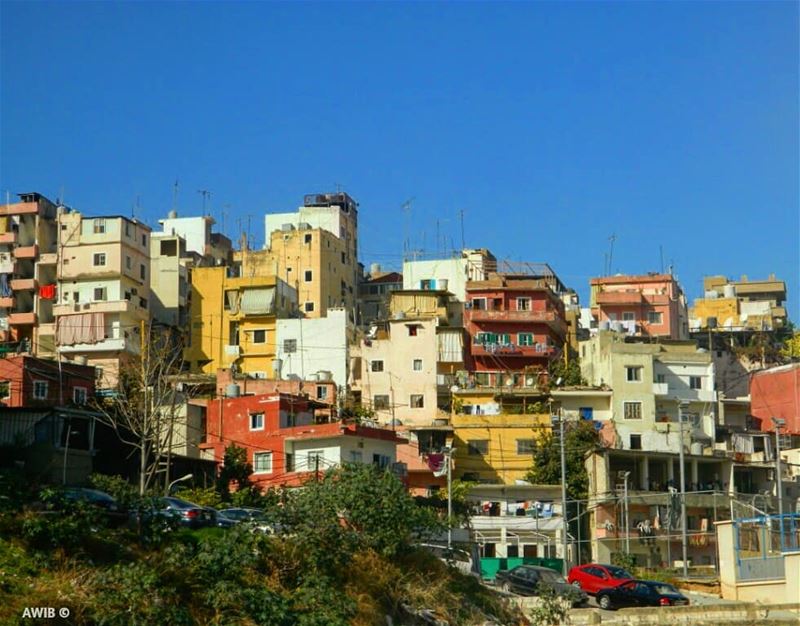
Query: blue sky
pixel 552 125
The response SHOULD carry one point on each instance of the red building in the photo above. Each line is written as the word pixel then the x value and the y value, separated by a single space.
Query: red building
pixel 285 441
pixel 27 381
pixel 515 323
pixel 776 393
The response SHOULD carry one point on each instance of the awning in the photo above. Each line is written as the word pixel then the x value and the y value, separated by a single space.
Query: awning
pixel 258 301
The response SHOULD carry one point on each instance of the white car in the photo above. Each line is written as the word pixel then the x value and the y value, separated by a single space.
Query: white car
pixel 454 557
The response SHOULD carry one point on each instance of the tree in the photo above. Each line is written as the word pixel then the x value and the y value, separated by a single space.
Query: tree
pixel 569 373
pixel 148 403
pixel 235 468
pixel 791 346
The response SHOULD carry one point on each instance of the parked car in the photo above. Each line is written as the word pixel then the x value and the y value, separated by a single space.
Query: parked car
pixel 112 512
pixel 185 512
pixel 596 576
pixel 640 593
pixel 455 557
pixel 242 514
pixel 219 519
pixel 525 580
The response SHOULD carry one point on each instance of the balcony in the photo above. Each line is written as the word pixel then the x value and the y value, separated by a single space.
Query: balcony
pixel 9 237
pixel 619 297
pixel 20 208
pixel 112 344
pixel 26 252
pixel 23 284
pixel 495 315
pixel 107 306
pixel 21 319
pixel 660 389
pixel 512 350
pixel 7 302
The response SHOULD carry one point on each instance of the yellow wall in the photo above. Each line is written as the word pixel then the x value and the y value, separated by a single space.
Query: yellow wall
pixel 501 464
pixel 210 323
pixel 722 308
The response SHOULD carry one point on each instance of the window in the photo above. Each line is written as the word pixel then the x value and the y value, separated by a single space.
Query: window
pixel 380 460
pixel 5 389
pixel 661 378
pixel 356 456
pixel 322 392
pixel 144 240
pixel 413 329
pixel 39 390
pixel 289 462
pixel 523 304
pixel 632 410
pixel 479 304
pixel 695 382
pixel 256 421
pixel 262 462
pixel 417 401
pixel 628 316
pixel 636 442
pixel 344 258
pixel 525 339
pixel 307 238
pixel 525 446
pixel 380 402
pixel 99 259
pixel 128 262
pixel 290 346
pixel 426 284
pixel 99 227
pixel 76 296
pixel 376 366
pixel 655 317
pixel 309 307
pixel 260 336
pixel 142 271
pixel 79 395
pixel 417 365
pixel 99 294
pixel 478 447
pixel 633 374
pixel 308 276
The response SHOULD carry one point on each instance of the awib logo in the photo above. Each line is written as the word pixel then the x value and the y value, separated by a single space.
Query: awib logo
pixel 32 612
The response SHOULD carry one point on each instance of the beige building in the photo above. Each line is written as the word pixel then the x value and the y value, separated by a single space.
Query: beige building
pixel 737 306
pixel 103 290
pixel 405 366
pixel 28 245
pixel 649 381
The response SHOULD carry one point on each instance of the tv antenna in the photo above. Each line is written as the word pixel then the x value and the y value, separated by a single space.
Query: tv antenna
pixel 611 240
pixel 206 198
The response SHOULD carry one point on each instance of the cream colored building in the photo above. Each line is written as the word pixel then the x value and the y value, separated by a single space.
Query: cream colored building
pixel 737 306
pixel 648 382
pixel 103 290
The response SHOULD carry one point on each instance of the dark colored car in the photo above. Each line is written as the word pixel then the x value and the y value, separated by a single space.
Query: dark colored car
pixel 525 580
pixel 640 593
pixel 111 510
pixel 243 514
pixel 596 576
pixel 220 519
pixel 186 513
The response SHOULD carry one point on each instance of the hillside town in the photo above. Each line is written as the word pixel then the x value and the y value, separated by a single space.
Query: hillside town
pixel 636 428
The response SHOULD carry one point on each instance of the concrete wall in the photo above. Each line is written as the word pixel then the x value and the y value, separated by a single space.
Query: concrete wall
pixel 321 344
pixel 453 270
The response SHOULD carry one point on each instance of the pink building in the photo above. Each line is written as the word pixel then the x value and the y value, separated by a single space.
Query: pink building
pixel 652 305
pixel 776 393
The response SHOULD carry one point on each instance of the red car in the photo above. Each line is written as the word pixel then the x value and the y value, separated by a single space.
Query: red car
pixel 594 577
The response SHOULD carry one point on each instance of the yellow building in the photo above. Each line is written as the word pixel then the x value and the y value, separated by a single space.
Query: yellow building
pixel 496 448
pixel 315 262
pixel 233 320
pixel 740 305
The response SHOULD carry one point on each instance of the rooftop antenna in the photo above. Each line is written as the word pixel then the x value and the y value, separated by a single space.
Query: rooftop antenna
pixel 225 209
pixel 206 197
pixel 135 207
pixel 611 239
pixel 661 252
pixel 175 195
pixel 406 207
pixel 461 216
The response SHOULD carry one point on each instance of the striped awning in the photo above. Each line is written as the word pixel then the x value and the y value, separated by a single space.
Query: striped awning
pixel 260 301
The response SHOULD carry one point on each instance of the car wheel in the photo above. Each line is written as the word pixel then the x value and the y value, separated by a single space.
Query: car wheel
pixel 604 602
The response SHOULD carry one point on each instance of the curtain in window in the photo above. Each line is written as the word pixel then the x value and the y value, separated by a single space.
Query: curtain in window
pixel 451 347
pixel 80 328
pixel 258 301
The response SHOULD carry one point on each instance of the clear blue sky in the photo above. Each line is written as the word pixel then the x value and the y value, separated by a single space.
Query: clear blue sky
pixel 552 125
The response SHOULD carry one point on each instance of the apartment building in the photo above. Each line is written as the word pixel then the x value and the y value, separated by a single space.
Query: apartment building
pixel 28 253
pixel 652 384
pixel 103 290
pixel 451 274
pixel 210 247
pixel 649 305
pixel 374 294
pixel 315 250
pixel 233 321
pixel 739 306
pixel 515 324
pixel 31 382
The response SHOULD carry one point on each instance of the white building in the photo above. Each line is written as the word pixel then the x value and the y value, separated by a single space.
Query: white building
pixel 196 231
pixel 336 213
pixel 312 346
pixel 449 274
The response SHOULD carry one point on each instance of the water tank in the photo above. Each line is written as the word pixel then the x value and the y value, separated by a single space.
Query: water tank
pixel 442 284
pixel 374 268
pixel 81 360
pixel 232 390
pixel 400 315
pixel 277 364
pixel 697 448
pixel 172 214
pixel 313 377
pixel 729 291
pixel 710 295
pixel 604 325
pixel 325 376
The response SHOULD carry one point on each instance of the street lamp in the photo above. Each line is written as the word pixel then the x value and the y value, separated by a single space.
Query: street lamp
pixel 683 404
pixel 178 480
pixel 70 432
pixel 779 423
pixel 560 419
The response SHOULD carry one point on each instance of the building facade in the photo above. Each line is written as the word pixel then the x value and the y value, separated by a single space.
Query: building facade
pixel 650 305
pixel 775 392
pixel 740 306
pixel 449 274
pixel 27 381
pixel 374 294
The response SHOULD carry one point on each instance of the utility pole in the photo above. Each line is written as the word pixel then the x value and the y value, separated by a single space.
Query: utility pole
pixel 560 418
pixel 449 499
pixel 779 423
pixel 681 406
pixel 66 452
pixel 626 514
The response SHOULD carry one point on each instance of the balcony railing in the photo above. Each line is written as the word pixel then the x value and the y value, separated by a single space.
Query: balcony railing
pixel 21 319
pixel 23 284
pixel 26 252
pixel 495 315
pixel 511 349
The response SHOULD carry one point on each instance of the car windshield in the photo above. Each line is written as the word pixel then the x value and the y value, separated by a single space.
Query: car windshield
pixel 550 576
pixel 664 588
pixel 618 572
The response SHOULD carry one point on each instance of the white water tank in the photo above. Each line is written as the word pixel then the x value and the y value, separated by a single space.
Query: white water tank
pixel 374 268
pixel 697 448
pixel 442 284
pixel 324 376
pixel 729 291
